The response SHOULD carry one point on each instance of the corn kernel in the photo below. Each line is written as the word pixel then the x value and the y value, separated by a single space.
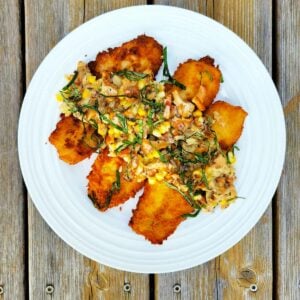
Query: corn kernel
pixel 156 133
pixel 224 203
pixel 163 127
pixel 141 111
pixel 151 180
pixel 153 154
pixel 197 173
pixel 86 94
pixel 59 97
pixel 91 79
pixel 126 103
pixel 160 176
pixel 160 95
pixel 102 129
pixel 141 84
pixel 130 123
pixel 197 197
pixel 126 158
pixel 231 157
pixel 114 132
pixel 197 113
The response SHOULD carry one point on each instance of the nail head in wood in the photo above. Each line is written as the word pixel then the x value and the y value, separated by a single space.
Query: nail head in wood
pixel 49 289
pixel 253 288
pixel 127 287
pixel 177 288
pixel 1 290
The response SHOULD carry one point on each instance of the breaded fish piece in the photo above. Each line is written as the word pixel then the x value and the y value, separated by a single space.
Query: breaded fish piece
pixel 72 140
pixel 142 54
pixel 104 187
pixel 159 212
pixel 201 79
pixel 228 122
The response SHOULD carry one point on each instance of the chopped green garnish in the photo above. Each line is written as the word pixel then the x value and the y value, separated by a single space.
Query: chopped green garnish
pixel 131 75
pixel 71 81
pixel 193 214
pixel 167 74
pixel 117 184
pixel 162 157
pixel 123 122
pixel 186 197
pixel 204 178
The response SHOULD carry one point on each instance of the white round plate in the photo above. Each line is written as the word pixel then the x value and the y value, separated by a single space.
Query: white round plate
pixel 59 190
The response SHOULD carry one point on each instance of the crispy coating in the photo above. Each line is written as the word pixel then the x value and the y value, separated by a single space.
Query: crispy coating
pixel 159 212
pixel 228 122
pixel 101 182
pixel 202 81
pixel 142 54
pixel 72 140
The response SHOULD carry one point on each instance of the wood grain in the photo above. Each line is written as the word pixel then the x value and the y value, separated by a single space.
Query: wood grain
pixel 248 262
pixel 51 261
pixel 288 200
pixel 12 200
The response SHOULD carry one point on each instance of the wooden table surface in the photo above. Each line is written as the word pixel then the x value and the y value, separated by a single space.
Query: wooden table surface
pixel 36 264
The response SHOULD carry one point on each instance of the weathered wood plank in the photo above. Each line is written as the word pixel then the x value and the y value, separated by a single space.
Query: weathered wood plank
pixel 288 199
pixel 94 8
pixel 51 261
pixel 12 200
pixel 288 207
pixel 250 261
pixel 228 275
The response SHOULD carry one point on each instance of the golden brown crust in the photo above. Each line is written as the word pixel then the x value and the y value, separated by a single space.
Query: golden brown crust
pixel 202 81
pixel 102 178
pixel 142 54
pixel 69 140
pixel 228 122
pixel 159 212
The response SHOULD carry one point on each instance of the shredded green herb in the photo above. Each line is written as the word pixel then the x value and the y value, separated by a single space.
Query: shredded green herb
pixel 162 157
pixel 131 75
pixel 189 200
pixel 210 76
pixel 116 186
pixel 193 214
pixel 137 139
pixel 235 147
pixel 156 106
pixel 104 118
pixel 117 96
pixel 204 178
pixel 167 74
pixel 123 146
pixel 237 197
pixel 71 81
pixel 123 122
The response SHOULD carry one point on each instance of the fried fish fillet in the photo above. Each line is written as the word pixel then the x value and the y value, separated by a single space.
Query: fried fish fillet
pixel 201 79
pixel 142 54
pixel 228 122
pixel 159 212
pixel 105 189
pixel 72 140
